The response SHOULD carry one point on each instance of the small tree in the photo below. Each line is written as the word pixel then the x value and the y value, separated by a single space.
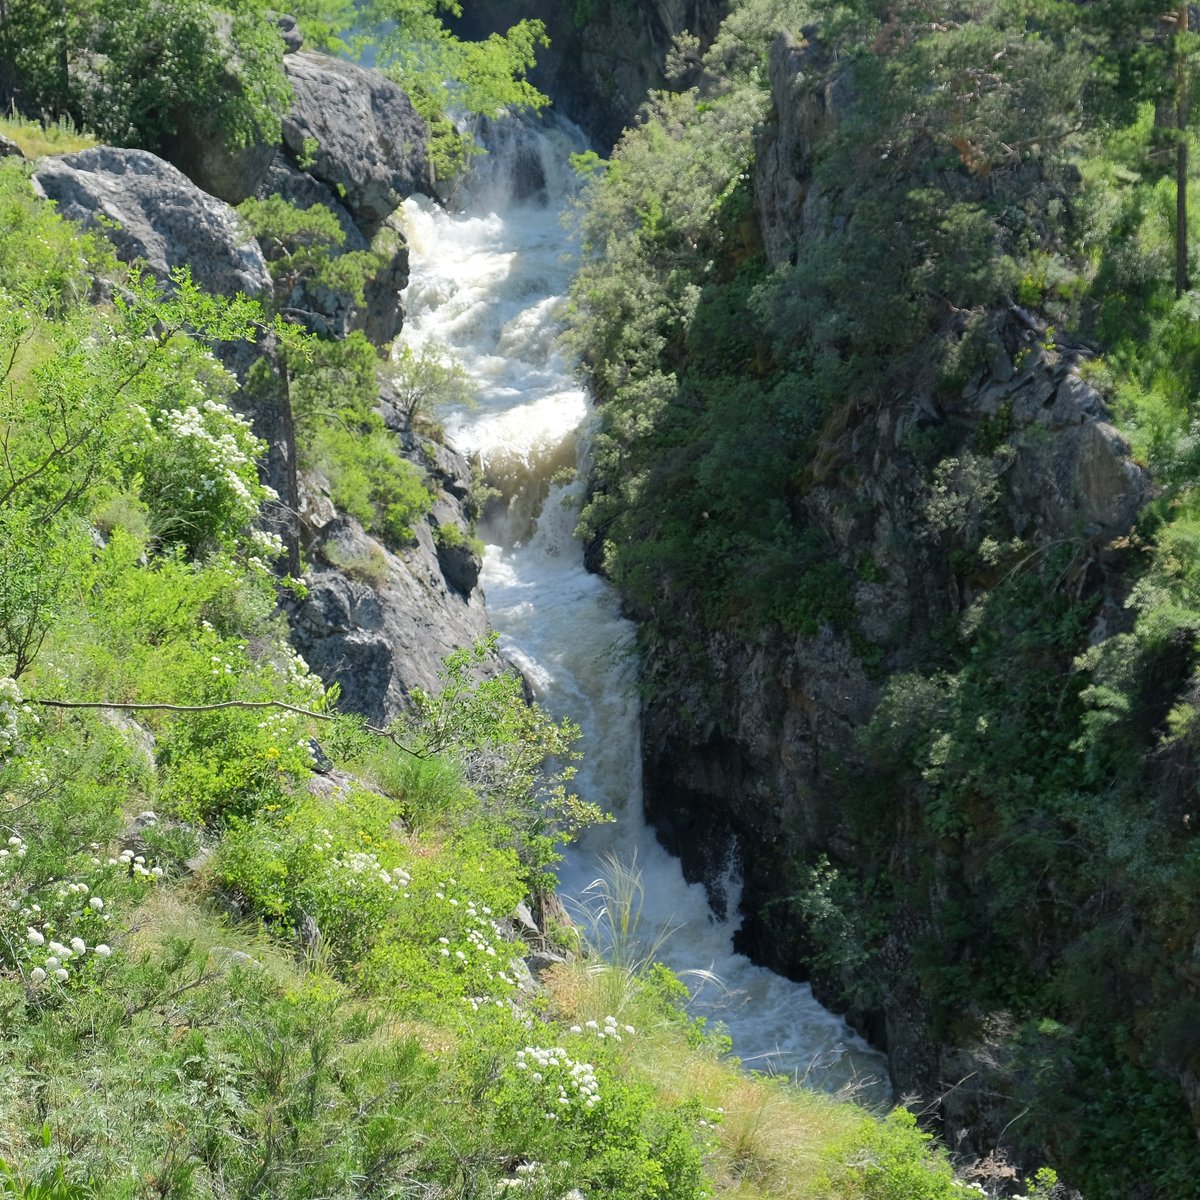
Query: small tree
pixel 425 379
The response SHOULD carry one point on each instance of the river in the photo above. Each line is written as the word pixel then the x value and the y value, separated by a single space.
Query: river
pixel 489 282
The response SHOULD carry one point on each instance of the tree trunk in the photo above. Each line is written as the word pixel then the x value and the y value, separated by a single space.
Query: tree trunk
pixel 1182 99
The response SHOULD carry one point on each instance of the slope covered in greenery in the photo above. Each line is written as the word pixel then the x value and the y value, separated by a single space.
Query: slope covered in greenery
pixel 1014 859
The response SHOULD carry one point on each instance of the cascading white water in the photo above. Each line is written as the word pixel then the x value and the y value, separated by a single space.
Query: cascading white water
pixel 489 283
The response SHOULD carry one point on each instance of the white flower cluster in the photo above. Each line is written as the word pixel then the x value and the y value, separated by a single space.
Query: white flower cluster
pixel 45 933
pixel 570 1086
pixel 359 862
pixel 270 545
pixel 481 945
pixel 54 966
pixel 12 709
pixel 610 1029
pixel 526 1175
pixel 136 863
pixel 12 854
pixel 199 463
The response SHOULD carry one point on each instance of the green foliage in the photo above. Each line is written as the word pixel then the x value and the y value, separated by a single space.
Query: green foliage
pixel 54 1187
pixel 304 248
pixel 424 380
pixel 334 389
pixel 895 1163
pixel 515 757
pixel 443 74
pixel 126 71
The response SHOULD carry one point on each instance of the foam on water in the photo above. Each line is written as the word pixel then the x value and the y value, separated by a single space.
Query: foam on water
pixel 489 283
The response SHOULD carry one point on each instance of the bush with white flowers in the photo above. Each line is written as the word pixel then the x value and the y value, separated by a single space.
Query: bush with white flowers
pixel 51 933
pixel 561 1084
pixel 199 477
pixel 14 712
pixel 474 950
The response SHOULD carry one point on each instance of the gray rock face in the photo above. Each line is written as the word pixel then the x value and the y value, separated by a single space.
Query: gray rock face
pixel 809 102
pixel 357 132
pixel 9 148
pixel 599 70
pixel 199 152
pixel 1072 470
pixel 379 623
pixel 157 215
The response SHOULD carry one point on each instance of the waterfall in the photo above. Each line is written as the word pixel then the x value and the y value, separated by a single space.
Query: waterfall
pixel 489 282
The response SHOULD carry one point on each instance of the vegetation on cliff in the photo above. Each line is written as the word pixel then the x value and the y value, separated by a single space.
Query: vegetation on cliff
pixel 1020 866
pixel 133 73
pixel 228 966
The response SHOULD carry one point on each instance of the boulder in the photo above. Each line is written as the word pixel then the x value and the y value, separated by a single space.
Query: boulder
pixel 377 623
pixel 289 31
pixel 356 131
pixel 152 212
pixel 9 148
pixel 381 623
pixel 200 152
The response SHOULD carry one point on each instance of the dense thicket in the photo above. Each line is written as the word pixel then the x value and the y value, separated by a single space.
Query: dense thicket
pixel 1024 795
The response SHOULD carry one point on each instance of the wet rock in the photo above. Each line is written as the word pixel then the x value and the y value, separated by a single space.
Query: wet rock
pixel 152 212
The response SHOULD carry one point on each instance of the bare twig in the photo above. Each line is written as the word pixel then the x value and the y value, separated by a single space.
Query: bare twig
pixel 216 707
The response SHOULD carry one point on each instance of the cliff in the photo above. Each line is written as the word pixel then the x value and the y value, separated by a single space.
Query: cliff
pixel 378 617
pixel 605 56
pixel 916 632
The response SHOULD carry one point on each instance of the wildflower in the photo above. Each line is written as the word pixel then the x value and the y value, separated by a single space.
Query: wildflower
pixel 101 950
pixel 33 937
pixel 61 975
pixel 96 903
pixel 37 975
pixel 78 945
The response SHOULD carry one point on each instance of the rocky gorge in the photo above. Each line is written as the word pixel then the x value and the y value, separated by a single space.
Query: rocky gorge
pixel 948 776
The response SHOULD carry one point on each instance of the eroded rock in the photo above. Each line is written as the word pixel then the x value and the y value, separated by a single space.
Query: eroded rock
pixel 356 131
pixel 151 211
